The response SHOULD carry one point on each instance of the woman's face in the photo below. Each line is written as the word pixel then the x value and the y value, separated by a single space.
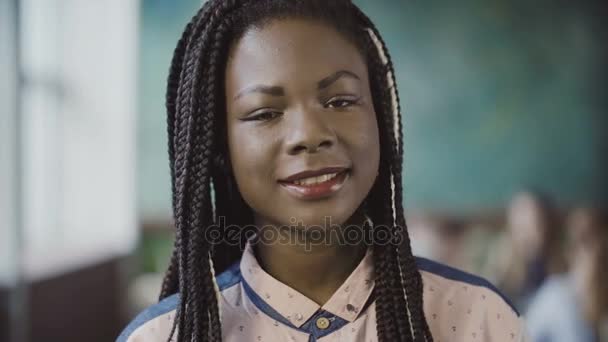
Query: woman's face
pixel 302 131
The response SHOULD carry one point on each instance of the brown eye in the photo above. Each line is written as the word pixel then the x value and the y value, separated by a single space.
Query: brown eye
pixel 341 102
pixel 262 116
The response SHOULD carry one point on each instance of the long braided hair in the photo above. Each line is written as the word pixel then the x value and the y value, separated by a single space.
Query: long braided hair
pixel 204 188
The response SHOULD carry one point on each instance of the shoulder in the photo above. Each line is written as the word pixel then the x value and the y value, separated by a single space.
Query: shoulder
pixel 458 304
pixel 546 316
pixel 555 291
pixel 449 278
pixel 554 294
pixel 156 322
pixel 159 314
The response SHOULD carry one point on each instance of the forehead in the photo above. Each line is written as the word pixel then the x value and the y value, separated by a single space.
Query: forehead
pixel 285 48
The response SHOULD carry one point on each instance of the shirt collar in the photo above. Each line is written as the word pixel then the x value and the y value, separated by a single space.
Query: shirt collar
pixel 347 302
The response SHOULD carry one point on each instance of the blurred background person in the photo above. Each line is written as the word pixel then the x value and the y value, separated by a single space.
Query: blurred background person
pixel 530 249
pixel 574 306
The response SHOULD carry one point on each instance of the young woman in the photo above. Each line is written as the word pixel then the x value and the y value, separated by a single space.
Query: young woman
pixel 283 115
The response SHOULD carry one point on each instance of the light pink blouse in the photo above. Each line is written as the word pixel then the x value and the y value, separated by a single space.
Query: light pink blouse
pixel 256 307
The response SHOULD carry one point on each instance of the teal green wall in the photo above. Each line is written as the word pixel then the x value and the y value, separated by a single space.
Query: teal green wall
pixel 162 22
pixel 496 95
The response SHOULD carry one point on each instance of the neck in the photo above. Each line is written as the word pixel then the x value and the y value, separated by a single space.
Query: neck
pixel 315 270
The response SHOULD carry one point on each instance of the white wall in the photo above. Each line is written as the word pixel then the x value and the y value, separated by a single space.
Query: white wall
pixel 7 147
pixel 79 110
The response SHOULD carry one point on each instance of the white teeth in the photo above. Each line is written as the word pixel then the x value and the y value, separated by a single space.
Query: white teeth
pixel 315 180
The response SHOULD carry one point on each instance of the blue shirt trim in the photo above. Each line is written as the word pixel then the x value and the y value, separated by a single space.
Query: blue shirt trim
pixel 308 327
pixel 228 278
pixel 265 307
pixel 458 275
pixel 166 305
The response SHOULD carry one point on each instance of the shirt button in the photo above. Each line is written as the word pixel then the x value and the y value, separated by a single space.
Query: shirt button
pixel 323 323
pixel 299 317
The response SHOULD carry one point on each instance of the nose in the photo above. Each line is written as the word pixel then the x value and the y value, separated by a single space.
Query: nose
pixel 308 132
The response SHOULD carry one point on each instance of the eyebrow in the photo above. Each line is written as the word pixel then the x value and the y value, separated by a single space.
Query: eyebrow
pixel 327 81
pixel 279 91
pixel 270 90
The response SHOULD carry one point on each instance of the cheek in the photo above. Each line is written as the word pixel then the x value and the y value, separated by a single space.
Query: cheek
pixel 251 156
pixel 365 143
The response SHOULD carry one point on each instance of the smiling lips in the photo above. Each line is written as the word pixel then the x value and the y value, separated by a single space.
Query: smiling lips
pixel 315 184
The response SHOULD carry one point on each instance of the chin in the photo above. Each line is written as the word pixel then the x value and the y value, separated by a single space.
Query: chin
pixel 324 219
